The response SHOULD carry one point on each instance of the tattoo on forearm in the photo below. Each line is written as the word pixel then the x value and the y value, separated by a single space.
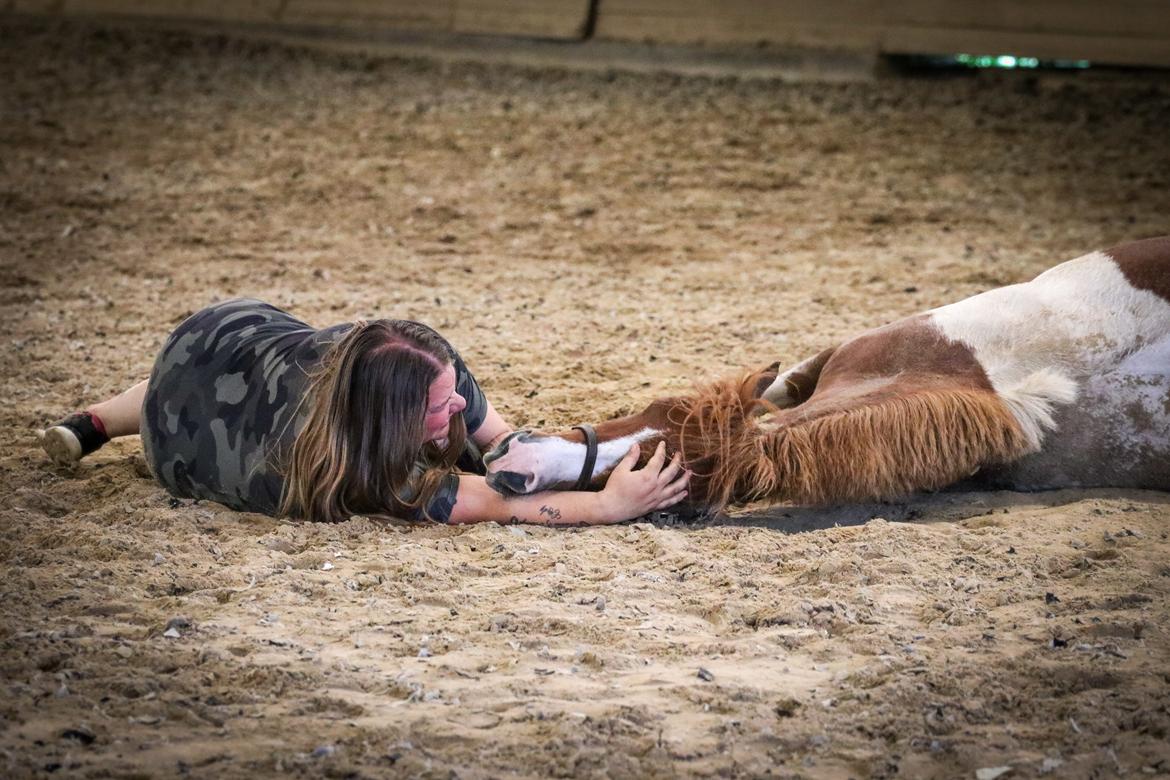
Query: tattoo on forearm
pixel 552 513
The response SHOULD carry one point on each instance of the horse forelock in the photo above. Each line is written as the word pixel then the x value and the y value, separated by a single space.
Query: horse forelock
pixel 711 424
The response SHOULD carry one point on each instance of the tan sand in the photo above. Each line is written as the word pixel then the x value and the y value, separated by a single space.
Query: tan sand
pixel 589 243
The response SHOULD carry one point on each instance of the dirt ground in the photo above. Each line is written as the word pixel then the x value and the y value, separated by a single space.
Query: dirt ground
pixel 589 242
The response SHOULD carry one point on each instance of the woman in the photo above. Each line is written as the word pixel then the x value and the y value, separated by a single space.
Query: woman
pixel 250 407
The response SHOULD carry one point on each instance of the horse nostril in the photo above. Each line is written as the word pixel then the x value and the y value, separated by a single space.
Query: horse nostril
pixel 507 483
pixel 501 449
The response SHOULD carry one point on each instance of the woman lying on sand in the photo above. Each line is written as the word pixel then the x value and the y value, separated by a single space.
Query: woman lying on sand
pixel 250 407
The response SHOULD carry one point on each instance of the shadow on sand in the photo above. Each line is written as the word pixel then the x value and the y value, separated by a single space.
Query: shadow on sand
pixel 926 508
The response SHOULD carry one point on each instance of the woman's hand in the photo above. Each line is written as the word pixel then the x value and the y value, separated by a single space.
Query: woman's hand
pixel 630 493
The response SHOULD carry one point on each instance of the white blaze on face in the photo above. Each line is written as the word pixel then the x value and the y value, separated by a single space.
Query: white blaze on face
pixel 551 460
pixel 1039 341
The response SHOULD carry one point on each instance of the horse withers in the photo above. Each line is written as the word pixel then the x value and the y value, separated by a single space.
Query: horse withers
pixel 1063 381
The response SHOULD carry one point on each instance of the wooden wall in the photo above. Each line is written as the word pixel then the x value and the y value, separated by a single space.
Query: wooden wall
pixel 1126 32
pixel 561 19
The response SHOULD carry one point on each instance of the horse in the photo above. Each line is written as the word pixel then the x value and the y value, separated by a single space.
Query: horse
pixel 1059 382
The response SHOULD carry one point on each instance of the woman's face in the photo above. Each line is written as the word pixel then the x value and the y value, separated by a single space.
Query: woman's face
pixel 443 403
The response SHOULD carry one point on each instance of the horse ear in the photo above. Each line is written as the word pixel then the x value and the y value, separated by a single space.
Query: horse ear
pixel 756 383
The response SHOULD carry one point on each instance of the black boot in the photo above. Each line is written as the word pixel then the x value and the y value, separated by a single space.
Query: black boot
pixel 73 438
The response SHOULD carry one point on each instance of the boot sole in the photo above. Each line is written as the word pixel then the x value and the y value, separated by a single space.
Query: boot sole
pixel 61 445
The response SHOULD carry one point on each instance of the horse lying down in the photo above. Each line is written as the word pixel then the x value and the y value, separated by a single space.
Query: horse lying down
pixel 1063 381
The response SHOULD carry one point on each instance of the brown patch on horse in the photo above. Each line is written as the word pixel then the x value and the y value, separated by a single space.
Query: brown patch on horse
pixel 1145 264
pixel 911 347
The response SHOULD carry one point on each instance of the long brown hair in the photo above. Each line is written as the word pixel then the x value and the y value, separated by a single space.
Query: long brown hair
pixel 362 441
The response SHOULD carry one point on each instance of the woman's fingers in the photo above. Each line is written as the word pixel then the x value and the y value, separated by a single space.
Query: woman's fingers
pixel 667 475
pixel 654 465
pixel 672 499
pixel 629 459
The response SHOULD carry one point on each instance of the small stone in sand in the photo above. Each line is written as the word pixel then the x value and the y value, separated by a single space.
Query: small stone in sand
pixel 1050 765
pixel 79 734
pixel 786 708
pixel 172 633
pixel 705 675
pixel 991 772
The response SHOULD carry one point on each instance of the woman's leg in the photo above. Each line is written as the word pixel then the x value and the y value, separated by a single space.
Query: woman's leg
pixel 79 434
pixel 120 414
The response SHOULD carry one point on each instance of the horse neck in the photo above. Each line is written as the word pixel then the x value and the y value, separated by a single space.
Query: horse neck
pixel 702 427
pixel 615 437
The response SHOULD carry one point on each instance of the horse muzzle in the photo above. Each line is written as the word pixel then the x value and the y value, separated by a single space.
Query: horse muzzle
pixel 508 483
pixel 504 481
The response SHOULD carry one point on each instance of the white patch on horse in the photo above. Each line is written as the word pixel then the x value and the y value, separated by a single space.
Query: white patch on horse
pixel 1031 401
pixel 608 454
pixel 1041 340
pixel 1142 385
pixel 552 460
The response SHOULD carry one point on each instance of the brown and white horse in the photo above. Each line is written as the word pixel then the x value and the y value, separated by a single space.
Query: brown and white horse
pixel 1063 381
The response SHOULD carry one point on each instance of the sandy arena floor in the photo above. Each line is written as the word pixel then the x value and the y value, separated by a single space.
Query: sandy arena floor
pixel 589 242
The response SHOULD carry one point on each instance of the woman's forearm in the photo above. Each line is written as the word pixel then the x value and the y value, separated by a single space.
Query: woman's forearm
pixel 477 503
pixel 628 493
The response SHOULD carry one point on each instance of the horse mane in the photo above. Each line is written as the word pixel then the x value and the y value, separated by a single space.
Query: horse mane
pixel 880 448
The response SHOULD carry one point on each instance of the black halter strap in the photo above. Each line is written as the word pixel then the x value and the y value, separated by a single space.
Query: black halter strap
pixel 590 456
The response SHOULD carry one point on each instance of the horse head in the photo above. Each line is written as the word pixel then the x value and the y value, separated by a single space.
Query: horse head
pixel 702 426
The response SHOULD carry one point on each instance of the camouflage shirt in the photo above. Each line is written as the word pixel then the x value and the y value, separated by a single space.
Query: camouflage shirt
pixel 223 405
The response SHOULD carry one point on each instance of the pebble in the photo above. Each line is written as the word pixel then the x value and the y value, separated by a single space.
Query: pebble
pixel 280 545
pixel 323 751
pixel 1050 765
pixel 599 604
pixel 172 633
pixel 179 622
pixel 991 772
pixel 705 675
pixel 327 566
pixel 158 559
pixel 424 652
pixel 79 734
pixel 786 708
